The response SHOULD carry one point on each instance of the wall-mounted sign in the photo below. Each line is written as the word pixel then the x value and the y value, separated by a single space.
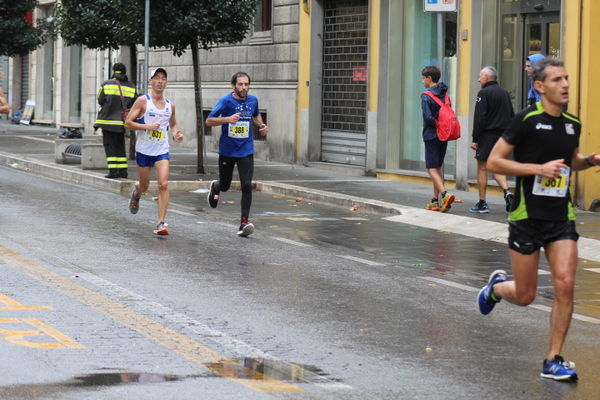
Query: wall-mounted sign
pixel 360 74
pixel 440 5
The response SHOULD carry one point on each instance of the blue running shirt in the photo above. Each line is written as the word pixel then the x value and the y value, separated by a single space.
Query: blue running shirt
pixel 237 140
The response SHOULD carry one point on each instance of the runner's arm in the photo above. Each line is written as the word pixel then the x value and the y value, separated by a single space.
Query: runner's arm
pixel 137 111
pixel 263 129
pixel 216 121
pixel 177 135
pixel 581 162
pixel 499 163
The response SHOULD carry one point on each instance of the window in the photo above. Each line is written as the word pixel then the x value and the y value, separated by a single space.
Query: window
pixel 262 18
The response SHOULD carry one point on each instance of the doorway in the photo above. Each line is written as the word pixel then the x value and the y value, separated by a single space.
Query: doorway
pixel 526 29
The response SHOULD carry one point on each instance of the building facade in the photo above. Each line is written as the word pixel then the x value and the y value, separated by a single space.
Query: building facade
pixel 338 81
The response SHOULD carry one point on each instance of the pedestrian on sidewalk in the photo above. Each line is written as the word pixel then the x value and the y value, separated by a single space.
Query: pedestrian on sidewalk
pixel 545 144
pixel 237 113
pixel 114 97
pixel 493 113
pixel 154 116
pixel 435 149
pixel 530 63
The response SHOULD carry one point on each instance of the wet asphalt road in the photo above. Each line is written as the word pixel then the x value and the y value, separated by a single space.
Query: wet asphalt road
pixel 329 303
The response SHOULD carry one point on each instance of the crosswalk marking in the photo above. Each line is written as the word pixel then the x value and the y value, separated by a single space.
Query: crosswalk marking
pixel 295 243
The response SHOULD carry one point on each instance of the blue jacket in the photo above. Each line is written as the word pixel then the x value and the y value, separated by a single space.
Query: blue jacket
pixel 431 110
pixel 532 95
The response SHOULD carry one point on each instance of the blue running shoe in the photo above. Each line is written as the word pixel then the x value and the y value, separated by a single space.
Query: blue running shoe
pixel 480 207
pixel 559 369
pixel 484 298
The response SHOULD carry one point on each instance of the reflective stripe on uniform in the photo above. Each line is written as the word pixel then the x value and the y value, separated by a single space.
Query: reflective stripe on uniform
pixel 109 122
pixel 114 89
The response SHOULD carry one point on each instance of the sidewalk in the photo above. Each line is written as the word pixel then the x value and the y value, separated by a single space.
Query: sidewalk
pixel 31 148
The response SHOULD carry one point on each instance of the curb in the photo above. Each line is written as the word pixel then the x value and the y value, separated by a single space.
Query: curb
pixel 68 174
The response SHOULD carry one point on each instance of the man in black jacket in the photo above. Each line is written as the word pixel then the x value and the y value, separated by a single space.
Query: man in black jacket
pixel 493 113
pixel 115 96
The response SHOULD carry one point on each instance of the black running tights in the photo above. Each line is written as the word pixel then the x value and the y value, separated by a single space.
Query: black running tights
pixel 245 170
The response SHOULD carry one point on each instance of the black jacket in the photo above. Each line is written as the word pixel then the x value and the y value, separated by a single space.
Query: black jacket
pixel 493 111
pixel 111 107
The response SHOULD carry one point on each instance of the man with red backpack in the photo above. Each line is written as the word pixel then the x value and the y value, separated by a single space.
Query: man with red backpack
pixel 435 149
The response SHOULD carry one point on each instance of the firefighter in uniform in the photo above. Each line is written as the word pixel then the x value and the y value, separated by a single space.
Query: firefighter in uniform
pixel 115 96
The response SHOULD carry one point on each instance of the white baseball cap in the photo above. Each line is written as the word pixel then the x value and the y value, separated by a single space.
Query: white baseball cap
pixel 157 70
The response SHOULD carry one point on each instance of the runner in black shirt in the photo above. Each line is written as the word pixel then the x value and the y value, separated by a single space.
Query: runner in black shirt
pixel 545 143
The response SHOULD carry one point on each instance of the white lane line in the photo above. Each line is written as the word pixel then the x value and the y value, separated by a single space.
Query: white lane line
pixel 355 218
pixel 362 261
pixel 288 241
pixel 300 219
pixel 326 219
pixel 597 270
pixel 187 214
pixel 543 272
pixel 450 283
pixel 540 307
pixel 588 249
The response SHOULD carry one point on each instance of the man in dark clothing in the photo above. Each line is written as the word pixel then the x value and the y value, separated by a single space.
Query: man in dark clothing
pixel 115 96
pixel 493 113
pixel 435 149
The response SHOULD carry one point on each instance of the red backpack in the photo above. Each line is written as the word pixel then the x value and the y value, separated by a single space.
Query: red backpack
pixel 448 127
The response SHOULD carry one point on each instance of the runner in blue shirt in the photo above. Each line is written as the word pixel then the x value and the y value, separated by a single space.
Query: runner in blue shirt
pixel 237 113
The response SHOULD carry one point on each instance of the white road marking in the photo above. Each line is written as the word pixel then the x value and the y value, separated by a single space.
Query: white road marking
pixel 355 218
pixel 540 307
pixel 300 219
pixel 187 214
pixel 288 241
pixel 362 261
pixel 326 219
pixel 589 249
pixel 597 270
pixel 544 272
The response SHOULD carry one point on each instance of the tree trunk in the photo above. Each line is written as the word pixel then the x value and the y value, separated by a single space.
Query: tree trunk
pixel 199 114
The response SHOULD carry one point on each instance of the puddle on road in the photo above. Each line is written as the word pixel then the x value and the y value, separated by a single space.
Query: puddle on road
pixel 246 368
pixel 260 368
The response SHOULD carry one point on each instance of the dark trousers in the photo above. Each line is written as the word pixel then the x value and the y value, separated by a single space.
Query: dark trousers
pixel 114 147
pixel 245 170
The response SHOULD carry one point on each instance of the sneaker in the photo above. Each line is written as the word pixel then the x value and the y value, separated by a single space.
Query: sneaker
pixel 447 201
pixel 559 369
pixel 246 228
pixel 433 205
pixel 213 195
pixel 161 229
pixel 484 299
pixel 508 198
pixel 480 207
pixel 134 201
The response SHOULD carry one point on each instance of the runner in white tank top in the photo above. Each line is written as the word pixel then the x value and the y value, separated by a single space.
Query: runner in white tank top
pixel 154 116
pixel 154 142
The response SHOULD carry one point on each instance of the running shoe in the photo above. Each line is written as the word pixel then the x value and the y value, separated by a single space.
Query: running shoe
pixel 484 299
pixel 213 195
pixel 508 198
pixel 480 207
pixel 447 200
pixel 246 228
pixel 134 201
pixel 559 369
pixel 433 205
pixel 161 229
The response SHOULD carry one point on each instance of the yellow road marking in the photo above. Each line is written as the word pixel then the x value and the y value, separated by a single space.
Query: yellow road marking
pixel 12 304
pixel 17 337
pixel 166 337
